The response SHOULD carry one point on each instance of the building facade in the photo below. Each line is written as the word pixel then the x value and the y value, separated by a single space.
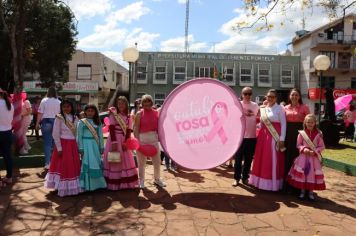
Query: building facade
pixel 92 78
pixel 105 73
pixel 337 40
pixel 158 73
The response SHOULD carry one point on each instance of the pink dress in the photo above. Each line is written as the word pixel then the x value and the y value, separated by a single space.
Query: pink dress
pixel 121 175
pixel 268 163
pixel 306 172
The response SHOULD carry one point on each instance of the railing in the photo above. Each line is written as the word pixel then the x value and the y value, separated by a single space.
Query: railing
pixel 322 38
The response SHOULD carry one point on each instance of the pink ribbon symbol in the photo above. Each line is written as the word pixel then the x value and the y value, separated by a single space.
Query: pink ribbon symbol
pixel 218 116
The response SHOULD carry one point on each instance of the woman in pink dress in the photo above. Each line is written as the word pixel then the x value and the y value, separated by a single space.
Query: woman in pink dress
pixel 306 172
pixel 268 164
pixel 122 174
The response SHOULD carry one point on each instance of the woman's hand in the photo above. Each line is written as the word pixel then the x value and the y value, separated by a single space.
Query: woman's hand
pixel 281 145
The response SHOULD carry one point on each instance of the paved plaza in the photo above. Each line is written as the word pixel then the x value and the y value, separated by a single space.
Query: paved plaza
pixel 194 203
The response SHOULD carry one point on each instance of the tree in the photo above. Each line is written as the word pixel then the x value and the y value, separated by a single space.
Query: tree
pixel 45 42
pixel 40 34
pixel 260 18
pixel 51 41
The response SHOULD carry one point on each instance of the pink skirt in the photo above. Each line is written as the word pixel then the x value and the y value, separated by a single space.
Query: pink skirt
pixel 268 163
pixel 121 175
pixel 64 171
pixel 306 173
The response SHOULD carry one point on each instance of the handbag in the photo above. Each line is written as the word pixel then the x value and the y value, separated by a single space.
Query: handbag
pixel 114 157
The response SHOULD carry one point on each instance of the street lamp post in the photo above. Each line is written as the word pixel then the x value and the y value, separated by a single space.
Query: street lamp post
pixel 321 63
pixel 130 55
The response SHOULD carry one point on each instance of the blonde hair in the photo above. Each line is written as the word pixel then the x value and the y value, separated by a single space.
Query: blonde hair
pixel 307 117
pixel 147 98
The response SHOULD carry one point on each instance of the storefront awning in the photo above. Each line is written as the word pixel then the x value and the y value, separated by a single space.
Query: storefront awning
pixel 313 93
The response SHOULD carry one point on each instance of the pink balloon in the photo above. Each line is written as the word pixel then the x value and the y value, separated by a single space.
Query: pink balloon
pixel 148 150
pixel 106 121
pixel 105 129
pixel 132 143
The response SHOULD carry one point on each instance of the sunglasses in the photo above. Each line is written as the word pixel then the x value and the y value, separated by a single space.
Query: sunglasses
pixel 249 94
pixel 271 96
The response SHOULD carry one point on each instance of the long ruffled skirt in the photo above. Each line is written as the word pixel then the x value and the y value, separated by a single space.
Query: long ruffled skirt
pixel 121 175
pixel 268 163
pixel 306 173
pixel 64 171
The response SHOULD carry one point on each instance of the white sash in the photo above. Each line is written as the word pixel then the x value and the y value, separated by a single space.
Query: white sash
pixel 91 129
pixel 310 143
pixel 68 123
pixel 271 129
pixel 121 122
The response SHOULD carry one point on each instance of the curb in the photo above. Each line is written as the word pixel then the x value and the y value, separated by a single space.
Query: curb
pixel 28 161
pixel 32 161
pixel 347 168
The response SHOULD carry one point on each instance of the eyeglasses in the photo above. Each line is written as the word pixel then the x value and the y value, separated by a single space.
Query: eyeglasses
pixel 247 94
pixel 270 96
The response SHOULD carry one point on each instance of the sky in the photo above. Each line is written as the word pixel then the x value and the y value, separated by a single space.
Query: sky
pixel 109 26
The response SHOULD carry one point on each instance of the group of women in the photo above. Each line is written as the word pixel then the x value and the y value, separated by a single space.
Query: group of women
pixel 80 161
pixel 287 151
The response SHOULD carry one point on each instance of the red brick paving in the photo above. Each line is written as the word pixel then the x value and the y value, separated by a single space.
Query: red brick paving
pixel 194 203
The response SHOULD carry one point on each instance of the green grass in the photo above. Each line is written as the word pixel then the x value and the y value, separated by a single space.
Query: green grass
pixel 345 152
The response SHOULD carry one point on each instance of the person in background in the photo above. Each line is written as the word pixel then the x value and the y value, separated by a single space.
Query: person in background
pixel 247 148
pixel 349 123
pixel 268 164
pixel 35 107
pixel 49 108
pixel 296 111
pixel 146 131
pixel 26 112
pixel 6 117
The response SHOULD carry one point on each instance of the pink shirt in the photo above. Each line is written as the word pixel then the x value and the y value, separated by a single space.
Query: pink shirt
pixel 148 120
pixel 297 113
pixel 250 112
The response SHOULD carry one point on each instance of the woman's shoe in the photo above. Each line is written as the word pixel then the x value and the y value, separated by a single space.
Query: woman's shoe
pixel 301 195
pixel 311 196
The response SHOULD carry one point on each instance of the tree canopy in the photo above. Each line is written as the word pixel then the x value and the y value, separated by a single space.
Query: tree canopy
pixel 259 11
pixel 49 30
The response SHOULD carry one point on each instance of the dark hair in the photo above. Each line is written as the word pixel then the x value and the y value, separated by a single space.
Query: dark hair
pixel 96 118
pixel 124 99
pixel 5 96
pixel 272 91
pixel 65 101
pixel 300 101
pixel 51 92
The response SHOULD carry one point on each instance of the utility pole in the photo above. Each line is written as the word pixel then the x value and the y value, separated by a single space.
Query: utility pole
pixel 186 46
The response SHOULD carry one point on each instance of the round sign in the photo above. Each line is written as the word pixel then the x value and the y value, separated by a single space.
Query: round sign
pixel 201 124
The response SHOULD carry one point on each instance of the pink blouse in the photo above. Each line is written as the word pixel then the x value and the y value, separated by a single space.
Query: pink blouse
pixel 148 120
pixel 297 113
